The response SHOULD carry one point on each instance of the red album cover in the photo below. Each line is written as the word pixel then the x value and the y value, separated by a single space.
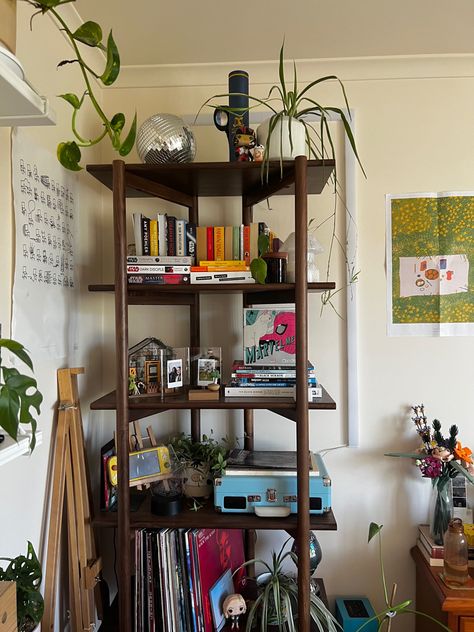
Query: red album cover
pixel 218 550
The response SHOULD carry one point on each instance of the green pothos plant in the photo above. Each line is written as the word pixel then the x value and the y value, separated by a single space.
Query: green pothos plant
pixel 89 34
pixel 18 393
pixel 258 266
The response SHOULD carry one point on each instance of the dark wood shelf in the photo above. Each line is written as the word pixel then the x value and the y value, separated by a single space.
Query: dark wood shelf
pixel 151 405
pixel 211 179
pixel 208 518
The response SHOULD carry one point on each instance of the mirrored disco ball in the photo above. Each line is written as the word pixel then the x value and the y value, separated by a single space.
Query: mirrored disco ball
pixel 315 552
pixel 165 138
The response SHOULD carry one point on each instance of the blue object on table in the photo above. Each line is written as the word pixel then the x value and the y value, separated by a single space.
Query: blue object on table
pixel 228 123
pixel 352 612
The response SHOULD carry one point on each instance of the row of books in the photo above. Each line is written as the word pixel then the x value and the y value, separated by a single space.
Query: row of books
pixel 269 381
pixel 168 236
pixel 177 576
pixel 432 552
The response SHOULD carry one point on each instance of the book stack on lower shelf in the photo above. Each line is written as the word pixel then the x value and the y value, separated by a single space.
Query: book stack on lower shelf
pixel 432 552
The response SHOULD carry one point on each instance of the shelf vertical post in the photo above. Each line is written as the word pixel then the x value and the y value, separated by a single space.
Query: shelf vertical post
pixel 247 218
pixel 122 434
pixel 195 326
pixel 302 431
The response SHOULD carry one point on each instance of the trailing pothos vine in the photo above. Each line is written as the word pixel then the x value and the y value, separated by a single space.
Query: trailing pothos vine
pixel 89 34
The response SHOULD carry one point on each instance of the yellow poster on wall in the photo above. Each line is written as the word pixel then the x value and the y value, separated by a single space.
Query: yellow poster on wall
pixel 430 264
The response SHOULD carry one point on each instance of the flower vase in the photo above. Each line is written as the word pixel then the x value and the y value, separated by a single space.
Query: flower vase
pixel 441 508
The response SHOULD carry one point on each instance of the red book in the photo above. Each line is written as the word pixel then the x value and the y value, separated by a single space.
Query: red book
pixel 210 243
pixel 216 551
pixel 247 245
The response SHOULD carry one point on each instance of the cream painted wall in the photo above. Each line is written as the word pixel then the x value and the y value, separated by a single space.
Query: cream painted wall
pixel 414 133
pixel 23 482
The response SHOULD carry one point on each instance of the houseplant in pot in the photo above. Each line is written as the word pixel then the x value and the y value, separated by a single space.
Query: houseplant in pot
pixel 200 461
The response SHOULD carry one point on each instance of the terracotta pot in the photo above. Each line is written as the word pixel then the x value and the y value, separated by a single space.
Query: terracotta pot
pixel 8 24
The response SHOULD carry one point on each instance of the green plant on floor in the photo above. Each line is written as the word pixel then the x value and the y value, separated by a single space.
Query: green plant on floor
pixel 25 570
pixel 18 393
pixel 392 609
pixel 277 599
pixel 258 266
pixel 88 34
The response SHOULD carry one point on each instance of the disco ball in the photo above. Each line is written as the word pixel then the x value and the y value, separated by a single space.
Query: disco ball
pixel 165 138
pixel 315 553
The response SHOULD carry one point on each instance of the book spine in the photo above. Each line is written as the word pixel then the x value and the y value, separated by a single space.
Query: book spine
pixel 219 247
pixel 157 269
pixel 159 279
pixel 154 237
pixel 180 237
pixel 228 236
pixel 146 235
pixel 253 249
pixel 171 235
pixel 201 244
pixel 236 242
pixel 246 391
pixel 241 243
pixel 149 575
pixel 137 233
pixel 191 241
pixel 225 265
pixel 165 261
pixel 247 245
pixel 210 243
pixel 209 278
pixel 162 236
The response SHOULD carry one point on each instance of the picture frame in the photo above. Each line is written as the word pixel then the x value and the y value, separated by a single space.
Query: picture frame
pixel 205 367
pixel 174 373
pixel 223 587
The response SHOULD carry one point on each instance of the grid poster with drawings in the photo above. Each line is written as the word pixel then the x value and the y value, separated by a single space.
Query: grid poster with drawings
pixel 44 290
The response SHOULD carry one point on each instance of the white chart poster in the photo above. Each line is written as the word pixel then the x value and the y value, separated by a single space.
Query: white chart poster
pixel 44 290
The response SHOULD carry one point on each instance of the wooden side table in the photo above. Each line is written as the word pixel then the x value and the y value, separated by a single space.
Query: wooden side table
pixel 454 608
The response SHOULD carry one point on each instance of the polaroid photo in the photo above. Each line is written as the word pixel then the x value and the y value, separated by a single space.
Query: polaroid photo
pixel 205 368
pixel 174 370
pixel 223 587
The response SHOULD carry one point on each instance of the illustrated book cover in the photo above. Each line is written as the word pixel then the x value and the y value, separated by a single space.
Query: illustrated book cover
pixel 269 337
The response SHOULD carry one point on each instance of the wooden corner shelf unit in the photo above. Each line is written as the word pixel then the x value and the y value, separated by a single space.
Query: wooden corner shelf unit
pixel 183 184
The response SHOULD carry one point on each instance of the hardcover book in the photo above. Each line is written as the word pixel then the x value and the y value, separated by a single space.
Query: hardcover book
pixel 269 337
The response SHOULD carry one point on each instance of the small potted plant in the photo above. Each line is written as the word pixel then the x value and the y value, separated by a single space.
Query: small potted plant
pixel 200 462
pixel 276 605
pixel 215 376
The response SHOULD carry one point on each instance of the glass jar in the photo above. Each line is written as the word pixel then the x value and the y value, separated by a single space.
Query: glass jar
pixel 314 249
pixel 276 266
pixel 456 571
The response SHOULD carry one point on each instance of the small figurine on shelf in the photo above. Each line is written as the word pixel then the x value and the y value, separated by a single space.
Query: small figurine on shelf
pixel 214 385
pixel 244 142
pixel 234 605
pixel 258 153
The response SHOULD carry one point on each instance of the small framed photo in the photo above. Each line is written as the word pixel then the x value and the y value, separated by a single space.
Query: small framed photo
pixel 152 375
pixel 205 368
pixel 174 370
pixel 223 587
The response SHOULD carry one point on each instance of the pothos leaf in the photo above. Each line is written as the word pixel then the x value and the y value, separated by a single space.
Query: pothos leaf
pixel 72 99
pixel 112 67
pixel 374 529
pixel 128 143
pixel 118 121
pixel 89 33
pixel 47 4
pixel 258 268
pixel 263 243
pixel 69 155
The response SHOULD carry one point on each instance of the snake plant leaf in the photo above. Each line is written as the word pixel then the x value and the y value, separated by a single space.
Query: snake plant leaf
pixel 128 143
pixel 72 99
pixel 17 349
pixel 69 155
pixel 258 268
pixel 374 529
pixel 281 70
pixel 457 466
pixel 117 122
pixel 112 67
pixel 89 34
pixel 9 409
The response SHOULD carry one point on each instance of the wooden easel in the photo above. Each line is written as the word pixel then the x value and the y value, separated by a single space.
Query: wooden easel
pixel 70 482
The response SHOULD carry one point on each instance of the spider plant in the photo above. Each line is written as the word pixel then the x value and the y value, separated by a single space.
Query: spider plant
pixel 88 34
pixel 277 599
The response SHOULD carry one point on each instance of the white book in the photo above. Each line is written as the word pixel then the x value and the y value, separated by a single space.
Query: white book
pixel 137 233
pixel 133 268
pixel 314 392
pixel 162 239
pixel 222 277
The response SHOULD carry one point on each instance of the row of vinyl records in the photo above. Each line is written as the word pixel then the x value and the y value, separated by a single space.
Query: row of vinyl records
pixel 179 577
pixel 169 236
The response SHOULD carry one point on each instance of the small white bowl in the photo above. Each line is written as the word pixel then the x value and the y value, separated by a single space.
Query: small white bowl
pixel 9 60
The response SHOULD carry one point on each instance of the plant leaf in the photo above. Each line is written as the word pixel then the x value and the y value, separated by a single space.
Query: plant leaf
pixel 72 99
pixel 281 71
pixel 69 155
pixel 118 121
pixel 374 529
pixel 9 409
pixel 47 4
pixel 89 34
pixel 17 349
pixel 129 142
pixel 263 243
pixel 258 268
pixel 112 67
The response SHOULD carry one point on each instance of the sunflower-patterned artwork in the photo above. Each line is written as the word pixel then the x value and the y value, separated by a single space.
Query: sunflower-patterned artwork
pixel 430 263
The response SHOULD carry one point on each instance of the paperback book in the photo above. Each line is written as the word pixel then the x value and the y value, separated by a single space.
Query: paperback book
pixel 269 337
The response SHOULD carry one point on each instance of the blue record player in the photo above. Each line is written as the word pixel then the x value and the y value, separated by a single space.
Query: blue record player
pixel 269 490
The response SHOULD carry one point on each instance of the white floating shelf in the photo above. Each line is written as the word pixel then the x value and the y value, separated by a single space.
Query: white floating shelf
pixel 10 449
pixel 20 105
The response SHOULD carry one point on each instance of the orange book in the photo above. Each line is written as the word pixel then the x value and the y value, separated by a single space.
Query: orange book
pixel 201 243
pixel 247 245
pixel 223 265
pixel 253 241
pixel 219 249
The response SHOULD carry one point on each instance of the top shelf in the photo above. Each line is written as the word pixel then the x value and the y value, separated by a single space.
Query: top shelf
pixel 219 179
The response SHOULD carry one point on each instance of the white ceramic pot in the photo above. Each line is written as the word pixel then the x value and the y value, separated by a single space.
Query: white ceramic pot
pixel 280 146
pixel 197 481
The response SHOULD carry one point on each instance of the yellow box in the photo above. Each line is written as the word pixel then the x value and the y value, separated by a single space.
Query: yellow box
pixel 8 24
pixel 8 607
pixel 469 531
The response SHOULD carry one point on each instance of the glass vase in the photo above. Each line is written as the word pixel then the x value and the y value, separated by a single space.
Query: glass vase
pixel 441 508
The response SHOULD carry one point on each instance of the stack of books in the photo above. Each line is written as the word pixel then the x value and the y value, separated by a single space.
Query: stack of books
pixel 164 235
pixel 221 272
pixel 148 270
pixel 268 381
pixel 434 553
